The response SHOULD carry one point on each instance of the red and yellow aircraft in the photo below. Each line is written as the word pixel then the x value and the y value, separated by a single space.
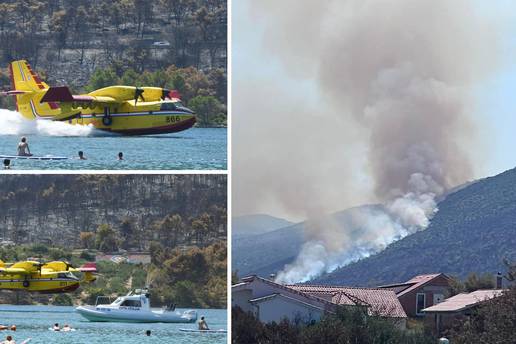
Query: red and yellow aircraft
pixel 125 110
pixel 52 277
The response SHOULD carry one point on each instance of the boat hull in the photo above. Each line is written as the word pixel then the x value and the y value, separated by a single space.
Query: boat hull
pixel 105 314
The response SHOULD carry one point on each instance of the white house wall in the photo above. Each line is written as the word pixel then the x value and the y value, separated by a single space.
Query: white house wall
pixel 278 308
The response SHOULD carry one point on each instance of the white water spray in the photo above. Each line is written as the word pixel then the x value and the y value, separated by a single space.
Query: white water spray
pixel 13 123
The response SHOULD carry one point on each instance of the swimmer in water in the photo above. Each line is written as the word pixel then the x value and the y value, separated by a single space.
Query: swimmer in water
pixel 81 156
pixel 120 156
pixel 23 147
pixel 9 340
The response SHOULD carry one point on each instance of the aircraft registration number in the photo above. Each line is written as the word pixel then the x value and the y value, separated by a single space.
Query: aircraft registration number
pixel 173 119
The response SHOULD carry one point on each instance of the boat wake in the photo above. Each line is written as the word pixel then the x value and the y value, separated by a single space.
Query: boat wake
pixel 12 123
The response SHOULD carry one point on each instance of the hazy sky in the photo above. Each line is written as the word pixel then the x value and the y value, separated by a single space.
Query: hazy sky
pixel 493 111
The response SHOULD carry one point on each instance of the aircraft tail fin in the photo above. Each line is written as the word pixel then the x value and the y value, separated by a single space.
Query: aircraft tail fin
pixel 28 90
pixel 89 270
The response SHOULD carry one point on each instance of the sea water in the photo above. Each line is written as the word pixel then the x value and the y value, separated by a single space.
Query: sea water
pixel 192 149
pixel 34 322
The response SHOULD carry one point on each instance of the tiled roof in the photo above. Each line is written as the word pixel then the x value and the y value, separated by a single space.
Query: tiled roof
pixel 250 279
pixel 383 302
pixel 415 282
pixel 464 301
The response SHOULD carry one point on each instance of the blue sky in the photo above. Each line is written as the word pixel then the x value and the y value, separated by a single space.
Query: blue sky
pixel 495 99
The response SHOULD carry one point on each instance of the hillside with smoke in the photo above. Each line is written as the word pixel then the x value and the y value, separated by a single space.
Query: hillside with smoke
pixel 393 84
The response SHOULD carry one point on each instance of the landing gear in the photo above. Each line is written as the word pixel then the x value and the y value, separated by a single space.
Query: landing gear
pixel 107 120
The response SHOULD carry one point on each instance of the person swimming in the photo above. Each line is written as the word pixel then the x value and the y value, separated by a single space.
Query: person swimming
pixel 81 156
pixel 120 156
pixel 56 327
pixel 66 328
pixel 148 333
pixel 7 164
pixel 9 340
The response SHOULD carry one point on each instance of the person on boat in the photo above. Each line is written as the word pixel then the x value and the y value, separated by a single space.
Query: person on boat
pixel 120 156
pixel 66 328
pixel 23 147
pixel 148 333
pixel 203 326
pixel 9 340
pixel 56 327
pixel 81 156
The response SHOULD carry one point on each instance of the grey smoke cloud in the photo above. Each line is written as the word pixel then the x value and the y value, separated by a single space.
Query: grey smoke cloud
pixel 394 85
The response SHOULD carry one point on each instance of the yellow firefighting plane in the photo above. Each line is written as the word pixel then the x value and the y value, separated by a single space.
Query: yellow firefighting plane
pixel 125 110
pixel 52 277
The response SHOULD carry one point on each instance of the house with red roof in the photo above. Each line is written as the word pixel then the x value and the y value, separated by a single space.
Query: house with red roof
pixel 420 292
pixel 270 301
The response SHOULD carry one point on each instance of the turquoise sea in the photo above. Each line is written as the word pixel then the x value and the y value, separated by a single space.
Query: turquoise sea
pixel 34 321
pixel 192 149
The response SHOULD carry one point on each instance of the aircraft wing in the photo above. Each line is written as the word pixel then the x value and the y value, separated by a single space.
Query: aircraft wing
pixel 62 94
pixel 14 271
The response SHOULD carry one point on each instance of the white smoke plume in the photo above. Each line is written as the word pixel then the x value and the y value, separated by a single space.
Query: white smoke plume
pixel 13 123
pixel 394 80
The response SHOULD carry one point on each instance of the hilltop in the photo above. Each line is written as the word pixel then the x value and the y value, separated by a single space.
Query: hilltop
pixel 473 231
pixel 247 225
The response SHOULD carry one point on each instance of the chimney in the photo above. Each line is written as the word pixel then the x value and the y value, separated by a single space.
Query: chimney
pixel 498 280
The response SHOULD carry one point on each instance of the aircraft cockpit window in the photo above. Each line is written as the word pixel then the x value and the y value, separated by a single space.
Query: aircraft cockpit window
pixel 168 106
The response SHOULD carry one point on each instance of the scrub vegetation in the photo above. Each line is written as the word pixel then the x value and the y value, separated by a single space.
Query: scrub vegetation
pixel 352 325
pixel 89 44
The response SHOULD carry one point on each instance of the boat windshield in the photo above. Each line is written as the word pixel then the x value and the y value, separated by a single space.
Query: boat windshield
pixel 131 303
pixel 117 301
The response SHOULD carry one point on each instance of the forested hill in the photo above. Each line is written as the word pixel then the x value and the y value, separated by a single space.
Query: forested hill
pixel 109 212
pixel 473 231
pixel 89 44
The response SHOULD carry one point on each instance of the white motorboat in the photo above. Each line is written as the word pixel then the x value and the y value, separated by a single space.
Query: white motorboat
pixel 134 307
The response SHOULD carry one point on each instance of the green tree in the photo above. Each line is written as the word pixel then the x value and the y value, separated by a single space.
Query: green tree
pixel 475 282
pixel 106 238
pixel 102 78
pixel 87 239
pixel 206 108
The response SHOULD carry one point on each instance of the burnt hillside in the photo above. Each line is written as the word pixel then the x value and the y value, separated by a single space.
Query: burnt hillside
pixel 57 209
pixel 70 39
